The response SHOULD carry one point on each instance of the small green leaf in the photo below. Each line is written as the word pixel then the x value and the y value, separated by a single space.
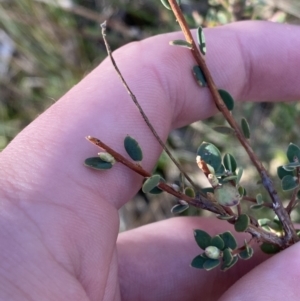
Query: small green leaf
pixel 224 217
pixel 201 40
pixel 157 190
pixel 263 221
pixel 210 264
pixel 229 240
pixel 239 175
pixel 227 98
pixel 217 242
pixel 189 191
pixel 210 154
pixel 245 128
pixel 229 178
pixel 198 262
pixel 232 263
pixel 199 76
pixel 202 238
pixel 269 248
pixel 151 183
pixel 227 195
pixel 225 130
pixel 242 223
pixel 293 153
pixel 181 43
pixel 289 182
pixel 281 172
pixel 227 256
pixel 167 5
pixel 229 162
pixel 256 207
pixel 241 190
pixel 291 166
pixel 133 149
pixel 259 199
pixel 97 163
pixel 179 208
pixel 246 253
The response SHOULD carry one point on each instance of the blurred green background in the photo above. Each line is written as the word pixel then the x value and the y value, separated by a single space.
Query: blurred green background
pixel 47 46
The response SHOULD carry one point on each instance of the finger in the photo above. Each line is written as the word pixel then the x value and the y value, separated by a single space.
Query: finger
pixel 154 262
pixel 275 279
pixel 248 59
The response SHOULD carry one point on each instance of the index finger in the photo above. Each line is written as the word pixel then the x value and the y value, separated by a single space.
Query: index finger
pixel 252 60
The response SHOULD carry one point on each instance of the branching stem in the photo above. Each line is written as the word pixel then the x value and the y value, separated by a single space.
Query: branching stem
pixel 134 99
pixel 201 203
pixel 290 233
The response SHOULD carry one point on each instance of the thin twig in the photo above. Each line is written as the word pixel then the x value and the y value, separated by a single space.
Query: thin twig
pixel 133 97
pixel 290 233
pixel 202 202
pixel 293 202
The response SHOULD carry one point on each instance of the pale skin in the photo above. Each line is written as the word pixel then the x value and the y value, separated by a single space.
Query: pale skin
pixel 59 220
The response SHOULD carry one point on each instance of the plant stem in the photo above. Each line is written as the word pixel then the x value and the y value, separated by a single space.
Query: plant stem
pixel 202 202
pixel 134 99
pixel 290 233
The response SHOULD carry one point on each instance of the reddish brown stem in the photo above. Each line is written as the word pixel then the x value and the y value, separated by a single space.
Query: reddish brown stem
pixel 290 233
pixel 202 202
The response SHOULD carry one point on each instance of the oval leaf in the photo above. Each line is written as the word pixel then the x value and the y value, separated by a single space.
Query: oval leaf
pixel 133 149
pixel 293 153
pixel 245 128
pixel 227 98
pixel 166 4
pixel 224 217
pixel 189 191
pixel 281 172
pixel 201 40
pixel 291 166
pixel 246 254
pixel 227 257
pixel 225 267
pixel 239 175
pixel 257 207
pixel 225 130
pixel 181 43
pixel 229 178
pixel 259 199
pixel 202 238
pixel 210 264
pixel 199 76
pixel 97 163
pixel 217 242
pixel 269 248
pixel 198 262
pixel 229 162
pixel 179 208
pixel 289 182
pixel 157 190
pixel 229 240
pixel 210 155
pixel 151 183
pixel 242 223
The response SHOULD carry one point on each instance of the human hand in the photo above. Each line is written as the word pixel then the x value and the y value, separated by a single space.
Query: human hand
pixel 59 220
